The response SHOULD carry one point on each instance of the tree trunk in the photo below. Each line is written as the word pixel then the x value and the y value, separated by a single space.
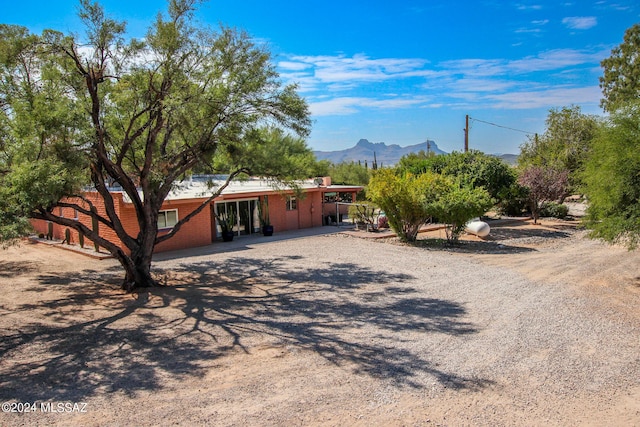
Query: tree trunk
pixel 535 210
pixel 138 267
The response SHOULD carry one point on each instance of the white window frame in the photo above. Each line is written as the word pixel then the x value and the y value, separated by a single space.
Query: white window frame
pixel 292 203
pixel 163 213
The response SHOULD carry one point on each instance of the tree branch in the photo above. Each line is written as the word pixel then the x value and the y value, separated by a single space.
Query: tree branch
pixel 199 209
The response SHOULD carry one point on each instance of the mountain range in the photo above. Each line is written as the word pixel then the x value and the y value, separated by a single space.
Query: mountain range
pixel 385 155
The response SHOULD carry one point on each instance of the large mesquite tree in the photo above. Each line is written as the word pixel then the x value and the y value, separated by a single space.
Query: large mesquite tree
pixel 620 82
pixel 139 113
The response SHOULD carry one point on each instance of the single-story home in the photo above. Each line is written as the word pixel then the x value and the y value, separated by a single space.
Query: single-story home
pixel 321 204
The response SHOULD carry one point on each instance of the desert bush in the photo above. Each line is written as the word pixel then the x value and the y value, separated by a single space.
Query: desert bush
pixel 457 205
pixel 554 210
pixel 403 197
pixel 545 184
pixel 513 200
pixel 364 213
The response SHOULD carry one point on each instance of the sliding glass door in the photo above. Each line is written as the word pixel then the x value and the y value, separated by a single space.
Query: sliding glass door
pixel 245 213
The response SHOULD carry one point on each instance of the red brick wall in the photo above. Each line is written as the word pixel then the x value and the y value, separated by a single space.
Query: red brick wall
pixel 310 210
pixel 308 213
pixel 196 232
pixel 278 214
pixel 41 226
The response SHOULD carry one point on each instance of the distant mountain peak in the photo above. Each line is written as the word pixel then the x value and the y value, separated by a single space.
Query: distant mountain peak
pixel 385 154
pixel 365 143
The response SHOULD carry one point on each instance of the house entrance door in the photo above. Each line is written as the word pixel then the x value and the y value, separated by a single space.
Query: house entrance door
pixel 246 216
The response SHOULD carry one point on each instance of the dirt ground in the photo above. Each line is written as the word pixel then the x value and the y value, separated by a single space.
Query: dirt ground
pixel 269 335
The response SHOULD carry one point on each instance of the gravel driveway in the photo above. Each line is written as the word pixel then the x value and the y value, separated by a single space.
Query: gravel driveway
pixel 336 330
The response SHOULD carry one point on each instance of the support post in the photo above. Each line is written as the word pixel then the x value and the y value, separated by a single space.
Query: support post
pixel 466 134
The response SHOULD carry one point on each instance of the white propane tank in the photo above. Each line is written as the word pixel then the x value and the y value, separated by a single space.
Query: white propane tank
pixel 478 228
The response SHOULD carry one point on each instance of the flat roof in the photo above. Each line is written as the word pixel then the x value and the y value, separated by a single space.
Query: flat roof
pixel 204 187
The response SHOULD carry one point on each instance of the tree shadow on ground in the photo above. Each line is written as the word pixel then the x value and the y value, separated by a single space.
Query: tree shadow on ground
pixel 462 246
pixel 75 346
pixel 92 339
pixel 557 231
pixel 16 268
pixel 513 238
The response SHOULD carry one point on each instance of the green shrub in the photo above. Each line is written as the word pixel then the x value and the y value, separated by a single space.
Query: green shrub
pixel 457 205
pixel 364 213
pixel 403 196
pixel 513 200
pixel 554 210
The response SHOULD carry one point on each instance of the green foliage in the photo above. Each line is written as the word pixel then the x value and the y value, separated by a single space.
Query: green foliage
pixel 565 143
pixel 544 184
pixel 39 160
pixel 554 210
pixel 513 200
pixel 270 152
pixel 620 82
pixel 453 188
pixel 612 179
pixel 409 201
pixel 472 169
pixel 348 173
pixel 141 114
pixel 421 162
pixel 403 197
pixel 458 205
pixel 478 170
pixel 365 213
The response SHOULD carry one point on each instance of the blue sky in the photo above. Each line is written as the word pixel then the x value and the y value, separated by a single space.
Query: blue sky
pixel 402 72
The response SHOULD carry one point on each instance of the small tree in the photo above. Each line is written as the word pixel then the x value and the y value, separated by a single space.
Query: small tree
pixel 403 197
pixel 456 206
pixel 565 144
pixel 365 213
pixel 545 184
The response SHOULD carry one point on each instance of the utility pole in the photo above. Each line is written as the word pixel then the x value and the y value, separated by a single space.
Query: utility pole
pixel 466 134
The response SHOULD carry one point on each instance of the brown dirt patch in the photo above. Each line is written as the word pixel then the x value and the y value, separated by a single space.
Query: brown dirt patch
pixel 318 332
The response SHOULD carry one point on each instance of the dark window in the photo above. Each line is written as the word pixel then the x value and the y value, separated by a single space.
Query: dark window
pixel 292 203
pixel 167 219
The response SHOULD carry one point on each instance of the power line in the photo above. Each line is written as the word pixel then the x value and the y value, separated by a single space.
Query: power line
pixel 504 127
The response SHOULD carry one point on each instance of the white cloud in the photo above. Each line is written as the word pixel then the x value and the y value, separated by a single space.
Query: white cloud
pixel 535 29
pixel 544 61
pixel 358 67
pixel 580 22
pixel 528 6
pixel 293 66
pixel 342 85
pixel 350 105
pixel 544 98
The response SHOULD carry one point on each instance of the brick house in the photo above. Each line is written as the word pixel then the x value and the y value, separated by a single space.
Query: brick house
pixel 322 204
